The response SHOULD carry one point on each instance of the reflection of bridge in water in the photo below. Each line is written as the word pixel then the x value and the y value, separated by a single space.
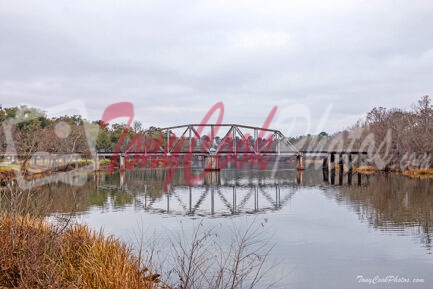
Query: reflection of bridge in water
pixel 222 193
pixel 219 200
pixel 212 197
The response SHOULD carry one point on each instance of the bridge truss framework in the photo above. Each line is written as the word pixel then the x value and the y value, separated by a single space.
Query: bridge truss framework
pixel 218 140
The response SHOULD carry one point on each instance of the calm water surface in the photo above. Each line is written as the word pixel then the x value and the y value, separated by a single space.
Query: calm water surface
pixel 325 236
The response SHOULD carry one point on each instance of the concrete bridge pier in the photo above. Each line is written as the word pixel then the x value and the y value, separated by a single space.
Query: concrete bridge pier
pixel 122 162
pixel 300 162
pixel 212 178
pixel 211 163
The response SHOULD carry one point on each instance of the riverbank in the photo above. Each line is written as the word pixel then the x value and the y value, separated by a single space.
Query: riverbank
pixel 412 173
pixel 37 254
pixel 418 173
pixel 10 172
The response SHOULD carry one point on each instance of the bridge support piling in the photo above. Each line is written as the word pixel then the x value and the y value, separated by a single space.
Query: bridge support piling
pixel 325 163
pixel 332 166
pixel 325 169
pixel 122 162
pixel 332 161
pixel 341 163
pixel 325 175
pixel 350 163
pixel 349 174
pixel 211 163
pixel 300 162
pixel 212 178
pixel 341 168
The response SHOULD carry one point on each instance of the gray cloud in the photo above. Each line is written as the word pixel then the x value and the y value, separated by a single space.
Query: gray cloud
pixel 174 60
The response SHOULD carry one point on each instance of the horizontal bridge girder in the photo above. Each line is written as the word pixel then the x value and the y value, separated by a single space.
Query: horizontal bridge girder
pixel 219 125
pixel 239 153
pixel 335 152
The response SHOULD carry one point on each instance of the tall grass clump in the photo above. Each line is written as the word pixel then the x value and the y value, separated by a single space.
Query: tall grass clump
pixel 38 254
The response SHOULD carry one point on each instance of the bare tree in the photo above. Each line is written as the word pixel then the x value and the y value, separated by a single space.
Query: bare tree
pixel 137 126
pixel 425 112
pixel 208 260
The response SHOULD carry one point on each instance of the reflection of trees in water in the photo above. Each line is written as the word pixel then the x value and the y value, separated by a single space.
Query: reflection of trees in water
pixel 57 198
pixel 126 189
pixel 394 203
pixel 64 198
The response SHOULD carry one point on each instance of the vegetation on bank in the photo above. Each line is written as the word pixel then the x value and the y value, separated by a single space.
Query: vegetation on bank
pixel 418 173
pixel 38 254
pixel 395 139
pixel 365 169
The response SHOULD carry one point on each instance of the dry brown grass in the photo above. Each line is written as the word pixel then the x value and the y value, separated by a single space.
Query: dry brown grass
pixel 365 169
pixel 419 173
pixel 37 254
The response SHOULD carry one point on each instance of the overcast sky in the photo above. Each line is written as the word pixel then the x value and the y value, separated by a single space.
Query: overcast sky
pixel 175 59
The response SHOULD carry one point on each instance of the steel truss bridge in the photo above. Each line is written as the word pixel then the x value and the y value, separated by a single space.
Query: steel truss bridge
pixel 209 139
pixel 221 140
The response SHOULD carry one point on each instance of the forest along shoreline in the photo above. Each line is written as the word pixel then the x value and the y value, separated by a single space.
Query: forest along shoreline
pixel 397 140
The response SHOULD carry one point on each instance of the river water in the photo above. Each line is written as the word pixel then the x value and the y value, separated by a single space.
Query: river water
pixel 374 233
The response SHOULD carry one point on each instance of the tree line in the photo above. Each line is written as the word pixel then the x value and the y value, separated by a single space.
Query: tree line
pixel 395 138
pixel 27 130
